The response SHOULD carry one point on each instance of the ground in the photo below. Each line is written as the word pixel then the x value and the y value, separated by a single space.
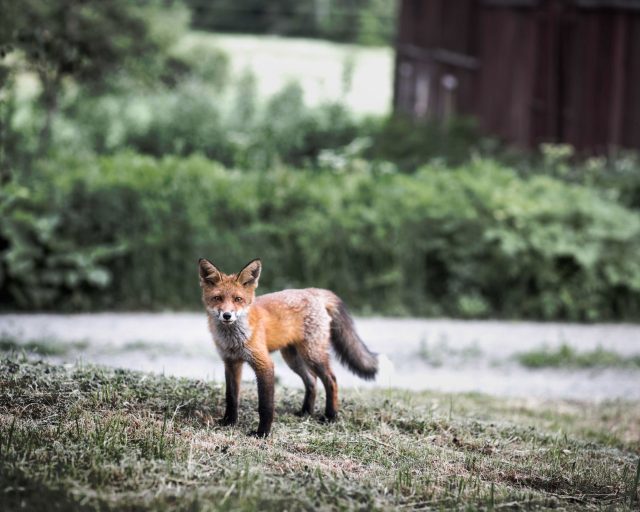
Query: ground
pixel 514 359
pixel 87 437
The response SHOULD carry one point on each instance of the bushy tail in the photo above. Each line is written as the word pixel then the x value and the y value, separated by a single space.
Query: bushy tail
pixel 350 349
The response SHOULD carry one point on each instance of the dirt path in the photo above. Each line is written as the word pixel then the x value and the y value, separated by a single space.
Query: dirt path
pixel 448 355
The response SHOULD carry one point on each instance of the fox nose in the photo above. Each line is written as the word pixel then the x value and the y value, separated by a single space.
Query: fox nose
pixel 226 316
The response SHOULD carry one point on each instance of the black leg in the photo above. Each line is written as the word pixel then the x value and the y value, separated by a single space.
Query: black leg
pixel 297 364
pixel 323 370
pixel 265 378
pixel 232 375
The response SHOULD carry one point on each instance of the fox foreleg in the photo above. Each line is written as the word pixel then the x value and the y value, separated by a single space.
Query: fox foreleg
pixel 263 366
pixel 232 375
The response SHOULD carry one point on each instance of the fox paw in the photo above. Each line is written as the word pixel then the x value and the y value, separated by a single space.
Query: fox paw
pixel 328 418
pixel 225 421
pixel 258 434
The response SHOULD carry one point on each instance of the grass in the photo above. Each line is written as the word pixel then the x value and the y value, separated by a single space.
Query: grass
pixel 44 347
pixel 87 438
pixel 326 71
pixel 436 354
pixel 567 357
pixel 54 347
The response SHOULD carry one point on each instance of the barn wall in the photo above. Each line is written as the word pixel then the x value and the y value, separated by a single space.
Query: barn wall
pixel 531 71
pixel 435 63
pixel 511 88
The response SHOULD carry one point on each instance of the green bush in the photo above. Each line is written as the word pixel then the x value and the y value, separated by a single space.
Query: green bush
pixel 473 241
pixel 411 144
pixel 617 175
pixel 41 264
pixel 194 119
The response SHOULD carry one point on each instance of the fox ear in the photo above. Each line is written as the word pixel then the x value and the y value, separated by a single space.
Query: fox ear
pixel 209 274
pixel 250 274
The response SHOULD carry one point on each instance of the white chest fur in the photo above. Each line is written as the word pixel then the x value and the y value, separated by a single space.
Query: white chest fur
pixel 231 340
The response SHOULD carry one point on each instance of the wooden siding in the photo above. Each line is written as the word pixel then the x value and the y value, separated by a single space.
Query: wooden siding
pixel 531 71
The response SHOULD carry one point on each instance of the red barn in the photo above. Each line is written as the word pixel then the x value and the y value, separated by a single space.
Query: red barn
pixel 530 71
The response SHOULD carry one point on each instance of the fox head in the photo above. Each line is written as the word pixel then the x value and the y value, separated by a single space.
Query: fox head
pixel 227 297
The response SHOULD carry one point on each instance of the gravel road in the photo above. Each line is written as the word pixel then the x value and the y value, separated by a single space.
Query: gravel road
pixel 446 355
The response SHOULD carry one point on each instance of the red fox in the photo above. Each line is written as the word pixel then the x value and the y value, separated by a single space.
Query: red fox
pixel 300 323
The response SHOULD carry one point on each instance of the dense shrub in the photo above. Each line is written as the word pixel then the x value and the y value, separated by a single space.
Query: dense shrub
pixel 617 174
pixel 410 144
pixel 41 264
pixel 192 119
pixel 472 241
pixel 241 131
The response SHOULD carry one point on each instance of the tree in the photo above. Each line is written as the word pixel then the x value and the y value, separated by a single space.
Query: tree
pixel 89 41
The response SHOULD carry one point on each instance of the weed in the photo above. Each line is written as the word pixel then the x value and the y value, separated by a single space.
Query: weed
pixel 441 352
pixel 566 356
pixel 43 346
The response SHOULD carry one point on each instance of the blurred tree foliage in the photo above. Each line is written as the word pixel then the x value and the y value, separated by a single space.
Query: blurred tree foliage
pixel 369 22
pixel 193 118
pixel 91 41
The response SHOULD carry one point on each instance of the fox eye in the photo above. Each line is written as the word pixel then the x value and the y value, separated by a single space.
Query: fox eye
pixel 238 299
pixel 218 298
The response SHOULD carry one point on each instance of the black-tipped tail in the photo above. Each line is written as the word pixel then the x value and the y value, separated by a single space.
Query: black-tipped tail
pixel 350 349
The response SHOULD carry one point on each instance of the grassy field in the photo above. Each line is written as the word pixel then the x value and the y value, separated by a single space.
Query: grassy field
pixel 88 438
pixel 359 77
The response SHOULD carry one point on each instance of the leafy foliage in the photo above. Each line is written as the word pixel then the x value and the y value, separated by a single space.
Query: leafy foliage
pixel 39 266
pixel 242 131
pixel 410 144
pixel 90 41
pixel 617 175
pixel 472 241
pixel 192 118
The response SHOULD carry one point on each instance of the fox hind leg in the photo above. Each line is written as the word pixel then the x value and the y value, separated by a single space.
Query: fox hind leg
pixel 321 367
pixel 297 364
pixel 314 350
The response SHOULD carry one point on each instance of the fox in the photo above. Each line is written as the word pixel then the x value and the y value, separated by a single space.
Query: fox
pixel 301 323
